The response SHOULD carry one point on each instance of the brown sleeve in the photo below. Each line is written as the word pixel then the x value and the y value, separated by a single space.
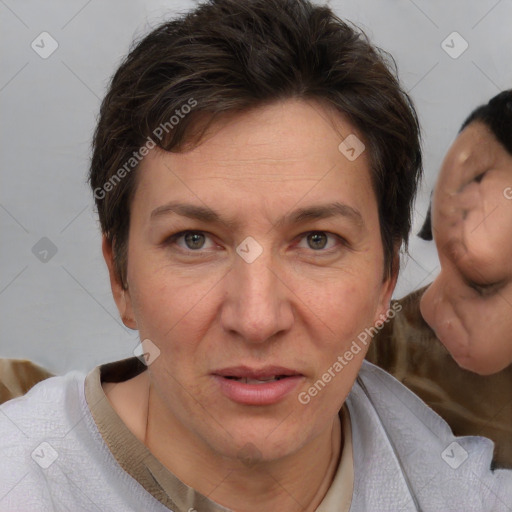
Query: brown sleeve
pixel 18 376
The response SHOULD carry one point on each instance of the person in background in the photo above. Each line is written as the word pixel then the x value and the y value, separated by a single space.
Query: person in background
pixel 456 353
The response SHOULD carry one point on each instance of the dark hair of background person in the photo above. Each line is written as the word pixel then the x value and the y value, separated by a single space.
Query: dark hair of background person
pixel 234 55
pixel 497 116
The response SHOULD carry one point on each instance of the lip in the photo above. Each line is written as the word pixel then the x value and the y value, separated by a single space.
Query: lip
pixel 266 393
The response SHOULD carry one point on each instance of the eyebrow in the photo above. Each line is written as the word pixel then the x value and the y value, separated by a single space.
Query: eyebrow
pixel 298 216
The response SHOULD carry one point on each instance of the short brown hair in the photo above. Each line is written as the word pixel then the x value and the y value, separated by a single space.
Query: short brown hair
pixel 233 55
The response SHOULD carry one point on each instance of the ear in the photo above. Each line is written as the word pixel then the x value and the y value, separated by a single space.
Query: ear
pixel 121 295
pixel 388 286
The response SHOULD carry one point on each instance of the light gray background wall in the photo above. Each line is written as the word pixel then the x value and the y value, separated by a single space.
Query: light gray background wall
pixel 56 309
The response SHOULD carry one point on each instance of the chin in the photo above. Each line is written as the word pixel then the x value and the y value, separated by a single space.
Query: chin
pixel 479 365
pixel 256 446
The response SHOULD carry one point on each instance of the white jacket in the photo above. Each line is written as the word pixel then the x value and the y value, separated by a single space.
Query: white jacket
pixel 52 457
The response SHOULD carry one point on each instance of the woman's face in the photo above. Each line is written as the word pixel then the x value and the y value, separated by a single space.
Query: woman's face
pixel 469 305
pixel 255 255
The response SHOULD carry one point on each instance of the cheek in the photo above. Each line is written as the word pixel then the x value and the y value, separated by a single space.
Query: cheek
pixel 357 312
pixel 488 326
pixel 491 244
pixel 489 330
pixel 169 307
pixel 349 312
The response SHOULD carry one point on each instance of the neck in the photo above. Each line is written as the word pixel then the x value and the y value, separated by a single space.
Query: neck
pixel 282 484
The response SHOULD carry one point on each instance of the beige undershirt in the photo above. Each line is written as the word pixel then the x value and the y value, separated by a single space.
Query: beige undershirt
pixel 135 458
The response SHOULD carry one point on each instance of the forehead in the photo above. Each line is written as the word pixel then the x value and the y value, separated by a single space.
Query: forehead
pixel 289 133
pixel 291 147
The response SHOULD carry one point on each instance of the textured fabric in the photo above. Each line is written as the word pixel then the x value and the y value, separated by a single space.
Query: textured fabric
pixel 54 458
pixel 471 404
pixel 17 376
pixel 406 457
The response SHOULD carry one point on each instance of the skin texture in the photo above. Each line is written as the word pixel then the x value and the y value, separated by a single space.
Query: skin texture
pixel 469 305
pixel 296 305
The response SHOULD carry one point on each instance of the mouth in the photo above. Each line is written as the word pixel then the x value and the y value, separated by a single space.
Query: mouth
pixel 247 380
pixel 256 375
pixel 264 386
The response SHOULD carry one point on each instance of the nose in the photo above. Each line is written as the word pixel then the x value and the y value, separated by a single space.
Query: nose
pixel 437 306
pixel 432 301
pixel 440 307
pixel 257 304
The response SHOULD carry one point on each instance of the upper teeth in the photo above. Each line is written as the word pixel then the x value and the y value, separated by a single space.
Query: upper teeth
pixel 247 380
pixel 258 381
